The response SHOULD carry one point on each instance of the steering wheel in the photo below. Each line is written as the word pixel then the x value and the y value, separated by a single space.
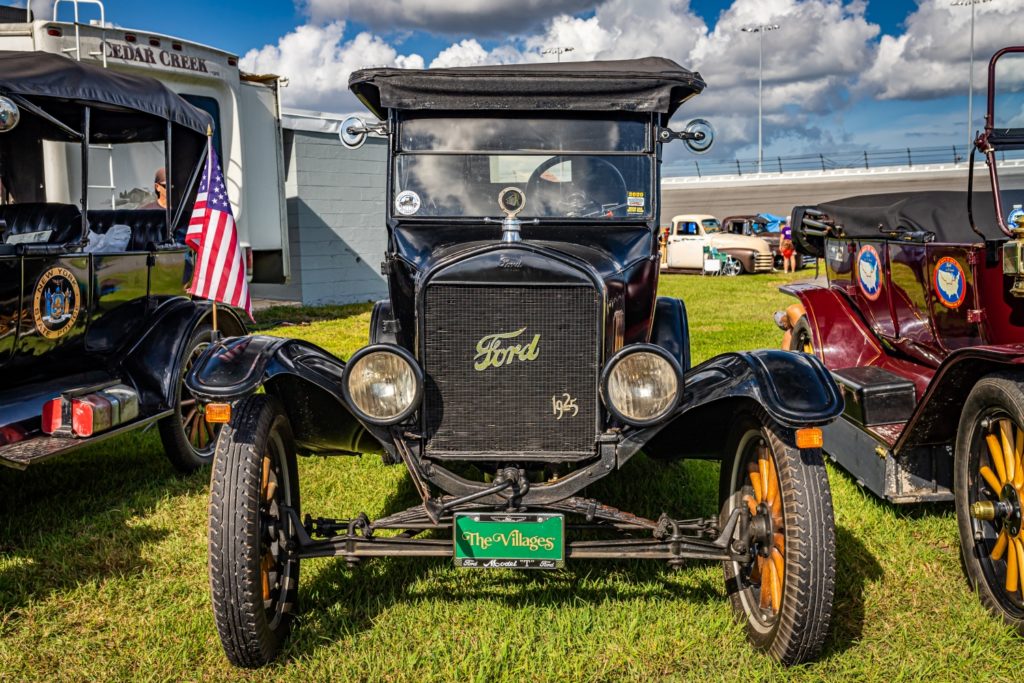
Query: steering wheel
pixel 575 200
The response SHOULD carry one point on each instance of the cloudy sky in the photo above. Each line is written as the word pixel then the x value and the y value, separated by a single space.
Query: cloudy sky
pixel 839 75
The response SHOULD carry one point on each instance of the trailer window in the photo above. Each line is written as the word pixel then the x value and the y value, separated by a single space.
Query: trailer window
pixel 211 107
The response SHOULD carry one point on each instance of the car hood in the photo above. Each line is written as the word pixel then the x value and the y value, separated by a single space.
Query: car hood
pixel 724 240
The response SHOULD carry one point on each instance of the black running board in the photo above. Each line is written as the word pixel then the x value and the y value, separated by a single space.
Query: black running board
pixel 41 447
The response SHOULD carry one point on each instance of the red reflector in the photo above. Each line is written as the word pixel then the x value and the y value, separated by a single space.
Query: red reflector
pixel 55 32
pixel 176 46
pixel 90 415
pixel 130 37
pixel 232 61
pixel 248 260
pixel 154 42
pixel 52 415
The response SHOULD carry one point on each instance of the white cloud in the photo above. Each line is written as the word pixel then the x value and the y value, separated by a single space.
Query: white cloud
pixel 317 62
pixel 477 17
pixel 930 59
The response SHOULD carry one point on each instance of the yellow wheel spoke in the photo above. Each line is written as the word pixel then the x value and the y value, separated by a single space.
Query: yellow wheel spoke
pixel 1018 456
pixel 1000 547
pixel 1011 568
pixel 755 480
pixel 762 466
pixel 776 588
pixel 996 453
pixel 755 572
pixel 766 583
pixel 779 541
pixel 751 504
pixel 266 564
pixel 266 477
pixel 1020 558
pixel 990 478
pixel 773 483
pixel 780 565
pixel 1005 427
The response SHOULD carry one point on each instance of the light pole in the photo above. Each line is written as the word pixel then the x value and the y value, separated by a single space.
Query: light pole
pixel 970 78
pixel 557 51
pixel 760 29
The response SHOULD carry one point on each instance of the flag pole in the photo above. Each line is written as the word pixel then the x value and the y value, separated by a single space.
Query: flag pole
pixel 209 174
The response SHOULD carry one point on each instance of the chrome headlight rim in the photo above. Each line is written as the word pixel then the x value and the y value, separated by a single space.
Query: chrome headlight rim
pixel 628 351
pixel 406 356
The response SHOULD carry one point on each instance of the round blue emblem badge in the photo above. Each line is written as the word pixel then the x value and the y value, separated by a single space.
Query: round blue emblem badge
pixel 869 272
pixel 950 282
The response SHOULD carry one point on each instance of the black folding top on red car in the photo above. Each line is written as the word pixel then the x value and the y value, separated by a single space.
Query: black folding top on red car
pixel 944 214
pixel 651 84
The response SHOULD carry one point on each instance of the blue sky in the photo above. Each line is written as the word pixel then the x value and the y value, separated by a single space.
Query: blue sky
pixel 840 74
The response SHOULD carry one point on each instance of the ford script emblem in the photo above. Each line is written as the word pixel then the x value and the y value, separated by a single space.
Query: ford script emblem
pixel 490 353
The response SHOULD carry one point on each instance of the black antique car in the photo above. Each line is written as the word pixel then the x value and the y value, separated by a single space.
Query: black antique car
pixel 95 333
pixel 518 360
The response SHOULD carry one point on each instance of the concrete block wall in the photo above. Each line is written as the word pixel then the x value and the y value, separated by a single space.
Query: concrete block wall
pixel 336 208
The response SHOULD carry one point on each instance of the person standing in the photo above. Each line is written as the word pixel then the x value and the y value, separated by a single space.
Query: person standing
pixel 786 248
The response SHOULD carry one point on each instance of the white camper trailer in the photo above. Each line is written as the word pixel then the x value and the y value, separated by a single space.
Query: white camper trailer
pixel 246 108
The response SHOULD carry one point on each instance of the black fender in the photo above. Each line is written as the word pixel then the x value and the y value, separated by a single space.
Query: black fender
pixel 670 330
pixel 153 361
pixel 303 376
pixel 794 389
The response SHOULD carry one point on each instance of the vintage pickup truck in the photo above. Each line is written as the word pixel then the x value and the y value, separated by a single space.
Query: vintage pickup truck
pixel 692 235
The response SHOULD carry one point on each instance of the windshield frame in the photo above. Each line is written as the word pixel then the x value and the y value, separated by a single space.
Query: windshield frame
pixel 650 153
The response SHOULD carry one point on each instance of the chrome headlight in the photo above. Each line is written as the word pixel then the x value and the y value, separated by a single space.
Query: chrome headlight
pixel 382 384
pixel 641 384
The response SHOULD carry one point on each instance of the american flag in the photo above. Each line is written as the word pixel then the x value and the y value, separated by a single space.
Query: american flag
pixel 219 272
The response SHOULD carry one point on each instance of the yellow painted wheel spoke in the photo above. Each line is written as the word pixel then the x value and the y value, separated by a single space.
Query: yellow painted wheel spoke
pixel 995 451
pixel 1011 568
pixel 1018 456
pixel 767 570
pixel 762 466
pixel 266 564
pixel 751 505
pixel 755 480
pixel 1000 547
pixel 1005 427
pixel 990 478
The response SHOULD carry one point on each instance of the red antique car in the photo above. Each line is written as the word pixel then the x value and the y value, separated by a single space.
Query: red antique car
pixel 922 325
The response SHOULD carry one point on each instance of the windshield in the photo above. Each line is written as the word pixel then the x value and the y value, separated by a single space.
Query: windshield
pixel 567 167
pixel 1008 121
pixel 711 225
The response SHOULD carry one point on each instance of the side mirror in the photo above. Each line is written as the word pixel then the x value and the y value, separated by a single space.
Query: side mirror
pixel 353 132
pixel 698 135
pixel 9 115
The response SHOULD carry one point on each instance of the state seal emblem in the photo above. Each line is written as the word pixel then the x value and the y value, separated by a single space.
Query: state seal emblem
pixel 56 302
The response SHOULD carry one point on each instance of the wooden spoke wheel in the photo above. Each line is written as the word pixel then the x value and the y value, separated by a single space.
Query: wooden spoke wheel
pixel 784 588
pixel 187 437
pixel 253 577
pixel 989 494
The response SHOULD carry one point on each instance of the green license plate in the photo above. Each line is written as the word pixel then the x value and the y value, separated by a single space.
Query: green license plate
pixel 509 541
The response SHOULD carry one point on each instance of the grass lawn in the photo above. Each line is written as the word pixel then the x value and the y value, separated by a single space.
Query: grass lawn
pixel 103 570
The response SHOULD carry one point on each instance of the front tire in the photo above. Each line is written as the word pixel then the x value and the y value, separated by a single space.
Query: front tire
pixel 732 267
pixel 187 437
pixel 254 579
pixel 989 491
pixel 784 595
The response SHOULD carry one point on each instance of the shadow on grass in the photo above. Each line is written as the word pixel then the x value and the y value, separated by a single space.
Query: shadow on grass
pixel 855 567
pixel 276 316
pixel 341 600
pixel 74 519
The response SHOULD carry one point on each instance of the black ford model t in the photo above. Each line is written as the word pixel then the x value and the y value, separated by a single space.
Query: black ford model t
pixel 95 333
pixel 518 360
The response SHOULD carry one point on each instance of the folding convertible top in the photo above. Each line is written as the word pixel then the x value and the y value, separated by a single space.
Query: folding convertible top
pixel 42 74
pixel 941 213
pixel 651 84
